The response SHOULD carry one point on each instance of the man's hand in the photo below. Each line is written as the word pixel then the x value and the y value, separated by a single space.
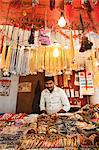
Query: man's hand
pixel 61 111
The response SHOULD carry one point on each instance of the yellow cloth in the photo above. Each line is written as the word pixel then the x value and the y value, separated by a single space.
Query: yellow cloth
pixel 8 58
pixel 40 58
pixel 53 61
pixel 59 64
pixel 68 60
pixel 71 49
pixel 47 60
pixel 65 59
pixel 65 80
pixel 33 61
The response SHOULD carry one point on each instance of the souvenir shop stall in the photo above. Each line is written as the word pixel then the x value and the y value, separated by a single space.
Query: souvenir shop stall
pixel 41 38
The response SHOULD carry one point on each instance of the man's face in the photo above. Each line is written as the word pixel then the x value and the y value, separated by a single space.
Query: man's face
pixel 49 85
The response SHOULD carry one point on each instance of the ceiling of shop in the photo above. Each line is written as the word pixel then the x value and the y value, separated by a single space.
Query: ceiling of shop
pixel 22 13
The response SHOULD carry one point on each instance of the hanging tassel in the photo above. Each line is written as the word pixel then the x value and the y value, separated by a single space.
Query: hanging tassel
pixel 3 56
pixel 72 45
pixel 31 38
pixel 52 4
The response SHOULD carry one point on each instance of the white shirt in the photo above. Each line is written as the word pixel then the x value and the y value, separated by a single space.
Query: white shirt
pixel 54 101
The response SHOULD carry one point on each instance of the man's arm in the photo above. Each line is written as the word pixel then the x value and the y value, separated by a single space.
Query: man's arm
pixel 65 102
pixel 42 103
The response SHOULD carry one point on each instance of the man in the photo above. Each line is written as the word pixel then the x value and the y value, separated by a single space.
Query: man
pixel 53 99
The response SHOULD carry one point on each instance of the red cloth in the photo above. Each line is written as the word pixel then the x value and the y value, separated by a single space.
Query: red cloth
pixel 95 12
pixel 68 11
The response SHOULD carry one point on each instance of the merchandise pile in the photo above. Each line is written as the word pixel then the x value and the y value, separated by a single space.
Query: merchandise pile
pixel 70 131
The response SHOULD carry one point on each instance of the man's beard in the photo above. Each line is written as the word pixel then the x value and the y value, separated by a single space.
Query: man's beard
pixel 51 90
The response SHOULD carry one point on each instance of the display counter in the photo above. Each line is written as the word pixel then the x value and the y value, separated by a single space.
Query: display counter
pixel 69 131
